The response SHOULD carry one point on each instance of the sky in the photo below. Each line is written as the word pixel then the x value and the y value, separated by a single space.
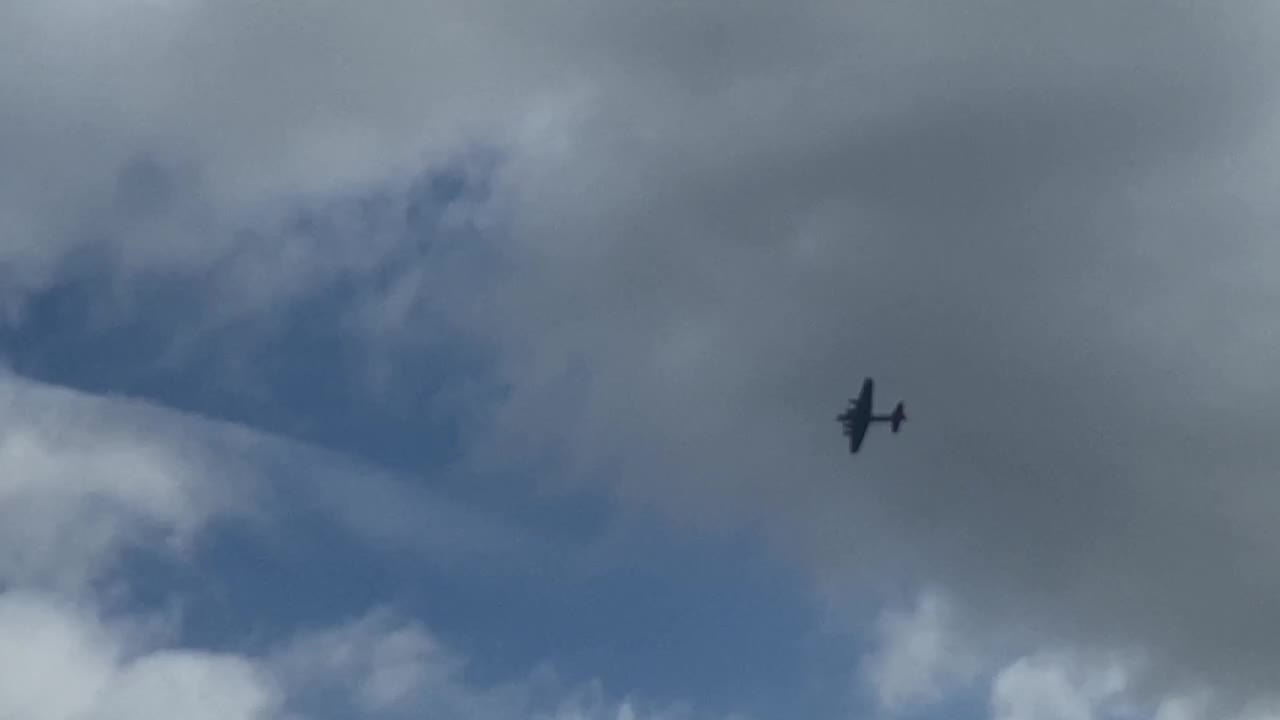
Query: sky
pixel 479 360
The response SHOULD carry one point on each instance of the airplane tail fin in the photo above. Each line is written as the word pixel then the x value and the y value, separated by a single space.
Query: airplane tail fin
pixel 895 420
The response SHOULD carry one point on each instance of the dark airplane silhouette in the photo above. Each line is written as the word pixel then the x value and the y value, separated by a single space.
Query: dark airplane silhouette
pixel 858 417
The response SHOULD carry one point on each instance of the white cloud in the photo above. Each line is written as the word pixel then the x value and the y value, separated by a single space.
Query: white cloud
pixel 590 703
pixel 1048 687
pixel 384 665
pixel 924 662
pixel 83 477
pixel 1181 708
pixel 61 661
pixel 921 657
pixel 189 684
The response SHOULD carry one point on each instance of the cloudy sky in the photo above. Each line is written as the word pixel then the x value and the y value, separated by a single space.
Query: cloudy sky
pixel 480 359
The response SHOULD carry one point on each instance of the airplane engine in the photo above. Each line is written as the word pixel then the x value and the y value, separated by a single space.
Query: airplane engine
pixel 895 420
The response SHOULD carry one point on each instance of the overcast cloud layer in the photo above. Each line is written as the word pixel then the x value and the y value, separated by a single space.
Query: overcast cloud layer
pixel 1044 228
pixel 1048 227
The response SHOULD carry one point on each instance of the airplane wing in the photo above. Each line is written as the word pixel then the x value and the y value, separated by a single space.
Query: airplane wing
pixel 865 394
pixel 856 431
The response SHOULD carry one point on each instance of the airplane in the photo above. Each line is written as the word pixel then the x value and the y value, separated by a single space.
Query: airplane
pixel 858 417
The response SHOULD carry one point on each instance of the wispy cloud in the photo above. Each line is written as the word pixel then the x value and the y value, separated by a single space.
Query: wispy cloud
pixel 87 479
pixel 83 477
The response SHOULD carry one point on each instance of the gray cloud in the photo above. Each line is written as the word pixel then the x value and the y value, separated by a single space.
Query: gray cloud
pixel 1045 226
pixel 1014 219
